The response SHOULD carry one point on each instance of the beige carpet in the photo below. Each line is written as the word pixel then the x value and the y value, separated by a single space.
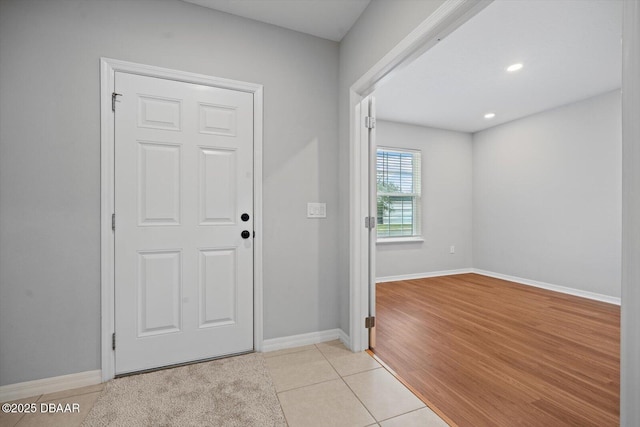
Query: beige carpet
pixel 236 391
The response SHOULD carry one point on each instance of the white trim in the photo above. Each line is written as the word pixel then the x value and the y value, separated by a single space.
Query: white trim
pixel 442 22
pixel 49 385
pixel 423 275
pixel 107 253
pixel 358 234
pixel 630 311
pixel 520 280
pixel 447 18
pixel 549 286
pixel 258 294
pixel 388 240
pixel 108 68
pixel 344 338
pixel 304 339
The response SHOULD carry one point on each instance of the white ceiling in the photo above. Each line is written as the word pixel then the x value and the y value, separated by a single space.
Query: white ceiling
pixel 329 19
pixel 571 50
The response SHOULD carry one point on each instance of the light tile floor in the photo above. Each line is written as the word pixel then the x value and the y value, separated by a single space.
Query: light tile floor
pixel 328 385
pixel 85 397
pixel 318 385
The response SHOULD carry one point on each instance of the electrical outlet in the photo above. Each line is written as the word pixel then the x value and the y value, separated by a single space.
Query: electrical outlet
pixel 316 210
pixel 452 249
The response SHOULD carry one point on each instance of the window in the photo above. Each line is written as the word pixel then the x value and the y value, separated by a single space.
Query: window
pixel 398 179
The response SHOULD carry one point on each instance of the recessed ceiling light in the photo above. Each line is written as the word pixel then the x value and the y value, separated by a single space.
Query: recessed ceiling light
pixel 489 116
pixel 514 67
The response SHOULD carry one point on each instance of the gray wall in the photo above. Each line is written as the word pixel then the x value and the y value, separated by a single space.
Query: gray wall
pixel 50 164
pixel 446 201
pixel 547 196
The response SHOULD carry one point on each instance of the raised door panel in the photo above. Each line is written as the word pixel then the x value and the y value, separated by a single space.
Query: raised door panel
pixel 218 287
pixel 218 119
pixel 159 176
pixel 217 186
pixel 159 292
pixel 156 112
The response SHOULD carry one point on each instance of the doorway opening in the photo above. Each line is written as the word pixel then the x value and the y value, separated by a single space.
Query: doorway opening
pixel 454 248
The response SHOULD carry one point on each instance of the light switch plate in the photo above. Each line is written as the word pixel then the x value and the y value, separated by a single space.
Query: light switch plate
pixel 316 210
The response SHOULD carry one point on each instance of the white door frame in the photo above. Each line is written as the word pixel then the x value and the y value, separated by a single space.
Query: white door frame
pixel 108 68
pixel 451 15
pixel 447 18
pixel 630 311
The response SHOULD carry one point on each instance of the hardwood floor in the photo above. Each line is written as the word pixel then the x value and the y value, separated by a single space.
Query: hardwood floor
pixel 488 352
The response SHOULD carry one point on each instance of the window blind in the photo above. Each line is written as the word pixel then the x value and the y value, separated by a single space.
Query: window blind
pixel 398 176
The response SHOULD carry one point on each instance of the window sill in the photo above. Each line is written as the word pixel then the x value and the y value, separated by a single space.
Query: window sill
pixel 413 239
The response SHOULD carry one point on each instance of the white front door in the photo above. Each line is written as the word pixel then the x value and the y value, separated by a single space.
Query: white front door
pixel 183 201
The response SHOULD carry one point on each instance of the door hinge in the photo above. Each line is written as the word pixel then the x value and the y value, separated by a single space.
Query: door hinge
pixel 369 122
pixel 113 100
pixel 370 222
pixel 113 222
pixel 369 322
pixel 113 341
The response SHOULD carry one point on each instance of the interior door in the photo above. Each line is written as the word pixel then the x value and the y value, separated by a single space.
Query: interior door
pixel 183 222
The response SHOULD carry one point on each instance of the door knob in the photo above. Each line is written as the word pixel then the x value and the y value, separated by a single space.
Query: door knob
pixel 244 217
pixel 245 234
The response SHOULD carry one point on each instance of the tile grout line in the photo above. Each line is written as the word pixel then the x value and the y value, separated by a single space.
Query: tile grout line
pixel 289 351
pixel 425 401
pixel 369 370
pixel 20 419
pixel 350 389
pixel 281 408
pixel 403 414
pixel 319 382
pixel 273 387
pixel 352 374
pixel 295 388
pixel 92 406
pixel 424 405
pixel 264 360
pixel 306 385
pixel 23 414
pixel 342 377
pixel 70 396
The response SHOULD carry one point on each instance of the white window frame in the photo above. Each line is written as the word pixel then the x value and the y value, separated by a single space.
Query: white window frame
pixel 416 234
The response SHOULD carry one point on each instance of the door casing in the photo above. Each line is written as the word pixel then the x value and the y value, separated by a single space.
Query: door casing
pixel 108 68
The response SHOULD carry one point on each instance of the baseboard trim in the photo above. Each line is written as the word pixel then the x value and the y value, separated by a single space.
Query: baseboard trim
pixel 344 338
pixel 304 339
pixel 423 275
pixel 49 385
pixel 551 287
pixel 520 280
